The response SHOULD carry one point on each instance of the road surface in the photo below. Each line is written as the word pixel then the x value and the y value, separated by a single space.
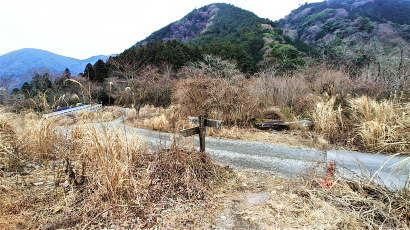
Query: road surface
pixel 290 161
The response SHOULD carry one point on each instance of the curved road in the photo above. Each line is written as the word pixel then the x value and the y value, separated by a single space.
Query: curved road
pixel 290 161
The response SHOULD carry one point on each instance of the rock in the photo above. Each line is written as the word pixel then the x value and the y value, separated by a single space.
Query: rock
pixel 258 198
pixel 66 184
pixel 32 166
pixel 38 183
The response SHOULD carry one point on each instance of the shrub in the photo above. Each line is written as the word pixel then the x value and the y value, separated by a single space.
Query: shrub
pixel 230 100
pixel 145 87
pixel 292 92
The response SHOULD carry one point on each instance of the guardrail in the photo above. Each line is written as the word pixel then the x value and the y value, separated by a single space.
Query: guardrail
pixel 73 110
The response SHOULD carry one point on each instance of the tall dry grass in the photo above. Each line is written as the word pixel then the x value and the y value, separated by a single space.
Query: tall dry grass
pixel 32 137
pixel 37 138
pixel 118 170
pixel 328 119
pixel 9 157
pixel 365 123
pixel 104 169
pixel 381 125
pixel 109 157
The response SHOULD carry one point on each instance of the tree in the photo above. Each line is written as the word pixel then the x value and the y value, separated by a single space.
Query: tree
pixel 89 72
pixel 101 71
pixel 26 89
pixel 66 73
pixel 142 87
pixel 41 83
pixel 287 57
pixel 173 53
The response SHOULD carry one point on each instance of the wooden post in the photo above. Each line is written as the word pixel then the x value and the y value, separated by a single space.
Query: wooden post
pixel 202 132
pixel 201 129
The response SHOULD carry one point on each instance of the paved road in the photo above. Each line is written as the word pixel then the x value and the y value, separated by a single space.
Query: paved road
pixel 291 161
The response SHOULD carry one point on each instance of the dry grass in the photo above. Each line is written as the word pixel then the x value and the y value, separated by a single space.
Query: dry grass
pixel 102 115
pixel 113 180
pixel 381 125
pixel 9 159
pixel 117 170
pixel 327 119
pixel 169 120
pixel 159 119
pixel 64 183
pixel 303 204
pixel 32 138
pixel 365 123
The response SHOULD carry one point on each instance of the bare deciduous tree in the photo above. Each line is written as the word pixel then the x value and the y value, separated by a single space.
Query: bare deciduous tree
pixel 141 86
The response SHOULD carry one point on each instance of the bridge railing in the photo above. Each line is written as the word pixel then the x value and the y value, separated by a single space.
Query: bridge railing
pixel 73 110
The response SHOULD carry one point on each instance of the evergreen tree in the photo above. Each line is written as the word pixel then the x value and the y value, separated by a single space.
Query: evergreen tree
pixel 40 83
pixel 89 72
pixel 101 71
pixel 26 89
pixel 66 73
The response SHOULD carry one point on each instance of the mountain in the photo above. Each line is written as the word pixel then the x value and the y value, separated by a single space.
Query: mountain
pixel 216 20
pixel 227 31
pixel 385 23
pixel 21 64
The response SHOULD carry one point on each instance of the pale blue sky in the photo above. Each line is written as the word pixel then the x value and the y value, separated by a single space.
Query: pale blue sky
pixel 84 28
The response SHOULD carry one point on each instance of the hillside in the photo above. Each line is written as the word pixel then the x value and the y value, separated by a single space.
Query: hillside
pixel 21 64
pixel 353 22
pixel 227 31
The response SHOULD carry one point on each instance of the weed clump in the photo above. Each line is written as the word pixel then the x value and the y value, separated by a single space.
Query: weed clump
pixel 115 168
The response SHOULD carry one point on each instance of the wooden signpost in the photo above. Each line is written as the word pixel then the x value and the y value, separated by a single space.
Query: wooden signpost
pixel 201 129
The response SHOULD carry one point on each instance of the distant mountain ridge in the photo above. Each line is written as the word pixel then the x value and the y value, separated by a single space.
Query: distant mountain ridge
pixel 227 31
pixel 214 21
pixel 22 64
pixel 386 23
pixel 185 29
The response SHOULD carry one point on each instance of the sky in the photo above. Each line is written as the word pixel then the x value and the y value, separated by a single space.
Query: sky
pixel 85 28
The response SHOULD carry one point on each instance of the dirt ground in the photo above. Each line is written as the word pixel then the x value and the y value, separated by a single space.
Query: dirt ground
pixel 37 198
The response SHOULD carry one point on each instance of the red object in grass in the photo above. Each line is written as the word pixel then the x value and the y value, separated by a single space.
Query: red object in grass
pixel 330 175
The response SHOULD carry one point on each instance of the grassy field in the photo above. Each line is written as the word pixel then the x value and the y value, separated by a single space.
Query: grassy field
pixel 104 178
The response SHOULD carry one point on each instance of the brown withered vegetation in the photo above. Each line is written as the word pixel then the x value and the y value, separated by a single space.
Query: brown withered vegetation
pixel 257 200
pixel 78 178
pixel 89 177
pixel 354 113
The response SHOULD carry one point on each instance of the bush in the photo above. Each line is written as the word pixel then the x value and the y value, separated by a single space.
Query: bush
pixel 145 87
pixel 232 100
pixel 293 92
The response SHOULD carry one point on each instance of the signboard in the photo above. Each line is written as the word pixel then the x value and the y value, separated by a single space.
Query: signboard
pixel 190 132
pixel 201 130
pixel 208 122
